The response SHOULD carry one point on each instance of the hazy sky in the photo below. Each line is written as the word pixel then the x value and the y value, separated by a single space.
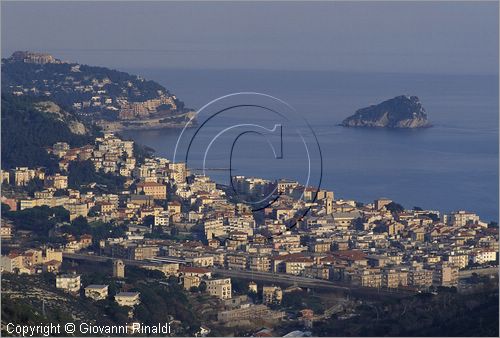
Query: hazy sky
pixel 416 37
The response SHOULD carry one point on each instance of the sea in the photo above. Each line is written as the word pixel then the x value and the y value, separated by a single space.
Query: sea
pixel 451 166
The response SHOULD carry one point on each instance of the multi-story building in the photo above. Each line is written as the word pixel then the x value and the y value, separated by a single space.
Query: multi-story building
pixel 174 208
pixel 296 266
pixel 96 292
pixel 459 260
pixel 5 231
pixel 156 190
pixel 191 281
pixel 445 274
pixel 371 278
pixel 178 172
pixel 421 278
pixel 483 256
pixel 237 261
pixel 272 295
pixel 22 175
pixel 220 288
pixel 130 299
pixel 76 210
pixel 68 282
pixel 260 263
pixel 462 218
pixel 163 219
pixel 317 271
pixel 142 252
pixel 4 176
pixel 394 278
pixel 57 181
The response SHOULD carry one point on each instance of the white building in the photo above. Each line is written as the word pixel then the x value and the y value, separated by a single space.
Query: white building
pixel 128 298
pixel 163 219
pixel 96 292
pixel 462 218
pixel 220 288
pixel 68 282
pixel 483 256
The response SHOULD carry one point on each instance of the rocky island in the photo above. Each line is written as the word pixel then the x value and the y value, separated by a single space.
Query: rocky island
pixel 399 112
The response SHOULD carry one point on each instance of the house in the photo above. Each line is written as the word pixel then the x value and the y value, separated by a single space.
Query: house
pixel 68 282
pixel 128 298
pixel 174 208
pixel 51 266
pixel 12 262
pixel 96 292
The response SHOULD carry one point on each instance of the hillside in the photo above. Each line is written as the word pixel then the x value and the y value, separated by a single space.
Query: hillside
pixel 30 124
pixel 399 112
pixel 97 94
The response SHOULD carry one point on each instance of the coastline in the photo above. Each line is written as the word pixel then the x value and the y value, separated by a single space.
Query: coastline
pixel 144 124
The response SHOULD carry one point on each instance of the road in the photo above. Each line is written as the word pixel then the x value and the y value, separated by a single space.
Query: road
pixel 278 278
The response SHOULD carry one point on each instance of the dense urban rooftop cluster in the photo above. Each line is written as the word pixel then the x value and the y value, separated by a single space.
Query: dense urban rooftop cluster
pixel 377 245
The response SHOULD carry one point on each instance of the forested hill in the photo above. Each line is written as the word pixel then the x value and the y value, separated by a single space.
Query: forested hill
pixel 31 124
pixel 94 93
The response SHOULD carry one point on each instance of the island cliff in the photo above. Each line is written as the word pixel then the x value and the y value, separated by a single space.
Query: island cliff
pixel 399 112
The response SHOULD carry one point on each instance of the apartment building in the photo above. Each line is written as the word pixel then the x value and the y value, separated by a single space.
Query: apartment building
pixel 237 261
pixel 130 299
pixel 394 278
pixel 57 181
pixel 462 218
pixel 68 282
pixel 483 256
pixel 445 274
pixel 260 263
pixel 371 278
pixel 459 260
pixel 220 288
pixel 272 295
pixel 421 278
pixel 96 292
pixel 156 190
pixel 142 252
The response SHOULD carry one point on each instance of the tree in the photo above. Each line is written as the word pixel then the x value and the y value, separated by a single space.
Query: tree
pixel 395 208
pixel 148 221
pixel 203 286
pixel 82 173
pixel 38 219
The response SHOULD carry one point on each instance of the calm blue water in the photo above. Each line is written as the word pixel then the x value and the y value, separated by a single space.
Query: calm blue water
pixel 453 165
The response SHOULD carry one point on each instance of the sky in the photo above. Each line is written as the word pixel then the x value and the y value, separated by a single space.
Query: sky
pixel 400 37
